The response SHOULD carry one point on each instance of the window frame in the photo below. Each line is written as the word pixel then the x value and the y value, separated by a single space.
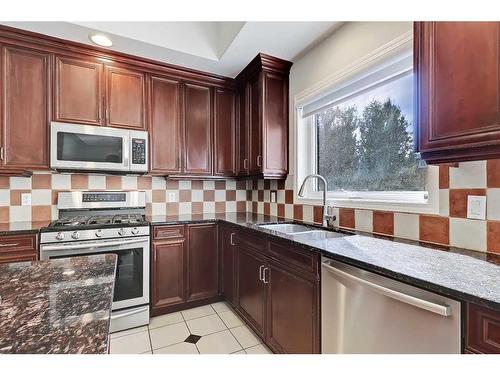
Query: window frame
pixel 306 148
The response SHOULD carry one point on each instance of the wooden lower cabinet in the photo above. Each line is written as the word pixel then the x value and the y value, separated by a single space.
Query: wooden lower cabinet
pixel 483 330
pixel 18 248
pixel 226 263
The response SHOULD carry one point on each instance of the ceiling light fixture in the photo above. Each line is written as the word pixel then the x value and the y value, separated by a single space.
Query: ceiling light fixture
pixel 101 40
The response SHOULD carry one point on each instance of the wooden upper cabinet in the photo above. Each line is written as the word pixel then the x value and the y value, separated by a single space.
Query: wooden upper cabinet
pixel 457 83
pixel 197 130
pixel 25 87
pixel 78 91
pixel 254 108
pixel 125 98
pixel 165 126
pixel 224 132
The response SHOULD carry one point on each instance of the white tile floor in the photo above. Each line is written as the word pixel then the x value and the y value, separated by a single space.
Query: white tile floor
pixel 221 331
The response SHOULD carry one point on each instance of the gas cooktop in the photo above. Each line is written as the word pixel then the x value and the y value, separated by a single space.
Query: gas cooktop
pixel 100 220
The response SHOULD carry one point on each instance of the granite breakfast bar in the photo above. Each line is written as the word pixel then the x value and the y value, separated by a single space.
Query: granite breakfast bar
pixel 62 306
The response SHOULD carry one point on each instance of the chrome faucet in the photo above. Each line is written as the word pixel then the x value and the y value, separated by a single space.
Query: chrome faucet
pixel 328 218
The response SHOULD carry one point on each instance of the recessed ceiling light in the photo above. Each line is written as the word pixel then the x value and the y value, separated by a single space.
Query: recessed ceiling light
pixel 101 40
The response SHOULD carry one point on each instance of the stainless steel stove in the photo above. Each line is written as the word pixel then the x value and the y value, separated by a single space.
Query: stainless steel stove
pixel 103 223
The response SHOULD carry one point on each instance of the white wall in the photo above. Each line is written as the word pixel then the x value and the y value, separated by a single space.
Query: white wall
pixel 349 43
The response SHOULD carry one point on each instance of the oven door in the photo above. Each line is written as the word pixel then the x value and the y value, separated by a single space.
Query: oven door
pixel 87 147
pixel 132 270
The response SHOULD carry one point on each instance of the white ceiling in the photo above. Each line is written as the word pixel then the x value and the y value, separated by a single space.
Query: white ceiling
pixel 217 47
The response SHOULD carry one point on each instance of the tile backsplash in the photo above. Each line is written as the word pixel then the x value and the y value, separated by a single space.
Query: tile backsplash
pixel 449 227
pixel 189 197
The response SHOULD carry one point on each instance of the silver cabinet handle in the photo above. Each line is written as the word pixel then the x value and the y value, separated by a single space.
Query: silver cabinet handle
pixel 232 239
pixel 265 275
pixel 261 273
pixel 245 164
pixel 259 161
pixel 443 310
pixel 8 244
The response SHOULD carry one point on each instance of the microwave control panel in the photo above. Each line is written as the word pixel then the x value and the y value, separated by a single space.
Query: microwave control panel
pixel 138 151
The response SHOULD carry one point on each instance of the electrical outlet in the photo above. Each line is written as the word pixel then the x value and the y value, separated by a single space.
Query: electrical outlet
pixel 171 197
pixel 26 199
pixel 273 196
pixel 476 207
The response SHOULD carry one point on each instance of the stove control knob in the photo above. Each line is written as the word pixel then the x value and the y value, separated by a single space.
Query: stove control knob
pixel 60 236
pixel 121 232
pixel 75 235
pixel 98 233
pixel 135 231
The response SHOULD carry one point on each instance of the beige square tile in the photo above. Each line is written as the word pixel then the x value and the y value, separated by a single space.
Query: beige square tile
pixel 41 197
pixel 406 226
pixel 180 348
pixel 159 183
pixel 97 182
pixel 493 204
pixel 231 320
pixel 363 220
pixel 129 182
pixel 218 343
pixel 444 202
pixel 468 234
pixel 61 182
pixel 220 307
pixel 20 183
pixel 206 325
pixel 4 197
pixel 470 174
pixel 20 213
pixel 245 336
pixel 168 335
pixel 198 312
pixel 240 352
pixel 130 344
pixel 258 349
pixel 165 320
pixel 129 332
pixel 159 208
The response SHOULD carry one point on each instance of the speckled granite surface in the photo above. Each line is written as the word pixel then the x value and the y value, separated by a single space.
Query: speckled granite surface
pixel 57 306
pixel 457 273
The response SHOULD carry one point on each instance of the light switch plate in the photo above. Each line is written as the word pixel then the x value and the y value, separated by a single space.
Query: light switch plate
pixel 476 207
pixel 273 196
pixel 171 197
pixel 26 199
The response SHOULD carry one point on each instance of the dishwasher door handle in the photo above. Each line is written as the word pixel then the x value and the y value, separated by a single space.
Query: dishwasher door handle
pixel 436 308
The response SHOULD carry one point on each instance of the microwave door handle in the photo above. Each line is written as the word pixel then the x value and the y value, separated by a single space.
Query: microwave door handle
pixel 87 246
pixel 127 149
pixel 436 308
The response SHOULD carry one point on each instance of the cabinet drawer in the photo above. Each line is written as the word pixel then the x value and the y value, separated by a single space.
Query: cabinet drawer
pixel 168 231
pixel 483 330
pixel 243 238
pixel 293 256
pixel 16 244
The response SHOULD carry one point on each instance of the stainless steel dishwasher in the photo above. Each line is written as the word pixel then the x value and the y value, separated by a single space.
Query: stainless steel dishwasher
pixel 363 312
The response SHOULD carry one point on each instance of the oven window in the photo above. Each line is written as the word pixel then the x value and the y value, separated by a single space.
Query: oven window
pixel 89 148
pixel 129 281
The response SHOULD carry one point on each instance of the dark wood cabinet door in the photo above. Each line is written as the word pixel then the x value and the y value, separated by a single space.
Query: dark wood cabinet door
pixel 226 253
pixel 25 85
pixel 243 132
pixel 202 261
pixel 168 270
pixel 77 92
pixel 251 291
pixel 457 70
pixel 275 125
pixel 254 109
pixel 125 98
pixel 197 130
pixel 18 248
pixel 165 126
pixel 293 311
pixel 224 132
pixel 483 330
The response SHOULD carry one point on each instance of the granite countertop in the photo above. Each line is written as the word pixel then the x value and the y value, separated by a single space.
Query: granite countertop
pixel 58 306
pixel 458 273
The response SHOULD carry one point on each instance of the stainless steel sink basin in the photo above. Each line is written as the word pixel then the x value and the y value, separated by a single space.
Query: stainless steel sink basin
pixel 317 235
pixel 288 228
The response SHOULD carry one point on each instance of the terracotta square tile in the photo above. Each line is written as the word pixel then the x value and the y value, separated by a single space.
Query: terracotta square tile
pixel 113 182
pixel 208 195
pixel 4 214
pixel 260 195
pixel 197 185
pixel 493 173
pixel 298 211
pixel 172 208
pixel 444 176
pixel 149 209
pixel 15 196
pixel 197 207
pixel 184 195
pixel 220 207
pixel 383 222
pixel 81 181
pixel 241 206
pixel 158 196
pixel 318 214
pixel 4 183
pixel 255 207
pixel 220 185
pixel 281 184
pixel 458 200
pixel 230 195
pixel 347 218
pixel 241 185
pixel 494 236
pixel 267 184
pixel 281 210
pixel 249 195
pixel 255 184
pixel 267 208
pixel 41 181
pixel 172 184
pixel 144 183
pixel 435 229
pixel 289 196
pixel 41 213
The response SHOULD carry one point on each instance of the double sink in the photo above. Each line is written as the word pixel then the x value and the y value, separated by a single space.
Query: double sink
pixel 302 232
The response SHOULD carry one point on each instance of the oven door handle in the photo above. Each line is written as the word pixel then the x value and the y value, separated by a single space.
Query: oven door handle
pixel 89 246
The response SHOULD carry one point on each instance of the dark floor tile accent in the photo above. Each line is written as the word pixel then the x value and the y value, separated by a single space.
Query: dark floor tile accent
pixel 192 339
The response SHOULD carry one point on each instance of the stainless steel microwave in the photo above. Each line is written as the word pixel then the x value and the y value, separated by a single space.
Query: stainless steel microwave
pixel 97 148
